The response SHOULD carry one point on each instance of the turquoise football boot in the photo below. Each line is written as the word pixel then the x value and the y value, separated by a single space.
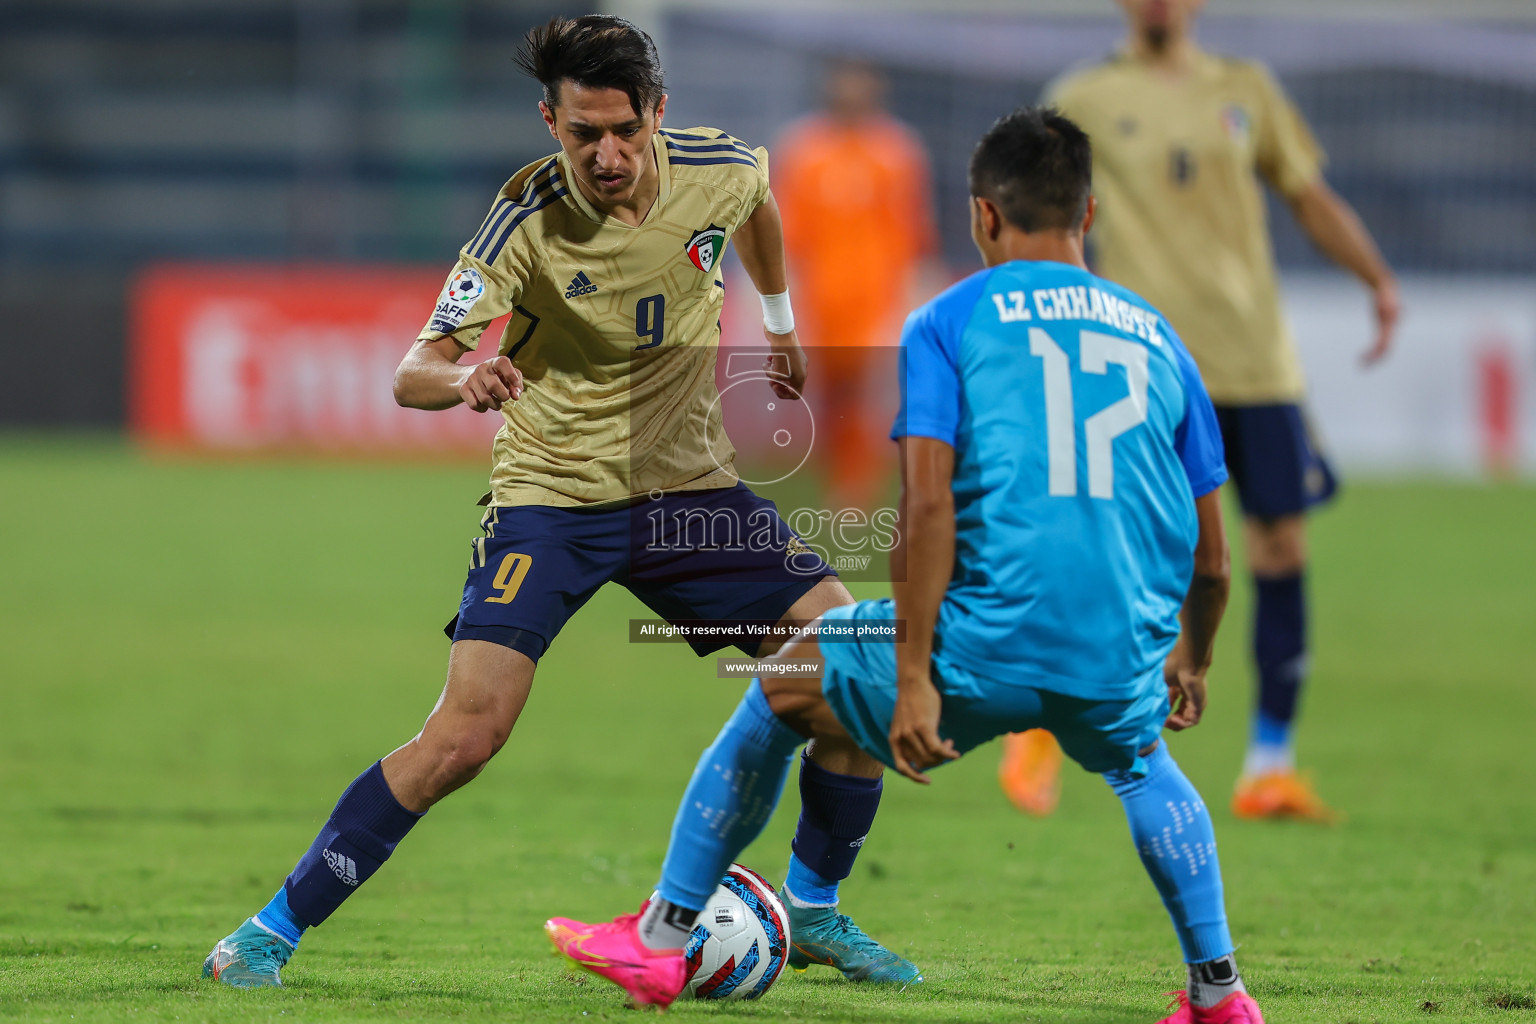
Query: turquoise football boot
pixel 249 957
pixel 820 935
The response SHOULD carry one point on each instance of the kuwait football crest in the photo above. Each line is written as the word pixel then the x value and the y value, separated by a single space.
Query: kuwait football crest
pixel 705 248
pixel 1236 121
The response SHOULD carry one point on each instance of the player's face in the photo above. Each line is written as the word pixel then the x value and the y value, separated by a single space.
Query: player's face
pixel 607 143
pixel 855 92
pixel 1160 21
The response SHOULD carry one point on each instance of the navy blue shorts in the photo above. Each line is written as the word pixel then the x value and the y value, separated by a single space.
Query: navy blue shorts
pixel 721 556
pixel 1273 459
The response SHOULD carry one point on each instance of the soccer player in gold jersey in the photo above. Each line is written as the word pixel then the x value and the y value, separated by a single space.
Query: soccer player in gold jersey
pixel 611 465
pixel 1182 139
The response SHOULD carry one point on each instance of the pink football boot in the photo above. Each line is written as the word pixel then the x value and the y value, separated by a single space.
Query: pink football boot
pixel 613 950
pixel 1237 1008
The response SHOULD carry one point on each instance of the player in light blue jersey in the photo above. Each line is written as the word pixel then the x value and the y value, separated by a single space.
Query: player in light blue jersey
pixel 1061 564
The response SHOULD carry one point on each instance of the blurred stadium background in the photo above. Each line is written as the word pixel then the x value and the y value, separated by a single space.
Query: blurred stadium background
pixel 221 223
pixel 360 140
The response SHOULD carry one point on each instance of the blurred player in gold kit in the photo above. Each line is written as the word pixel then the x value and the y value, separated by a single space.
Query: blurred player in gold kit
pixel 1181 141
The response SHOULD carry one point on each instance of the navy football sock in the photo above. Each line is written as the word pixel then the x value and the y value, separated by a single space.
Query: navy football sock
pixel 1280 652
pixel 730 798
pixel 358 837
pixel 836 812
pixel 1173 835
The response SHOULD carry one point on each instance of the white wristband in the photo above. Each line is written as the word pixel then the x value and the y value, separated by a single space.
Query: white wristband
pixel 778 318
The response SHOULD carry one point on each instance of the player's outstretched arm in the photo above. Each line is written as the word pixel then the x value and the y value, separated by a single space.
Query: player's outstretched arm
pixel 429 377
pixel 760 244
pixel 1337 230
pixel 922 563
pixel 1200 616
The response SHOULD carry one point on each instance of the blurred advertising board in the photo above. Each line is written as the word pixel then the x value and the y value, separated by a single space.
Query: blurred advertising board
pixel 1457 394
pixel 239 358
pixel 247 357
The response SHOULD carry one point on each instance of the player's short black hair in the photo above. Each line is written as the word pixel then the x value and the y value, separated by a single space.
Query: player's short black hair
pixel 1037 166
pixel 598 51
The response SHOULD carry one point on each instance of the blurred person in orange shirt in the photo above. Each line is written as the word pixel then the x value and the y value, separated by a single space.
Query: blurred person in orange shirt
pixel 855 192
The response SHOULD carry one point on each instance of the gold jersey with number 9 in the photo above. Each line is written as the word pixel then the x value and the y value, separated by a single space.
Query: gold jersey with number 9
pixel 614 327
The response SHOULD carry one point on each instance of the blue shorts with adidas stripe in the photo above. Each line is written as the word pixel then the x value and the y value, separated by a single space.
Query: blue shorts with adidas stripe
pixel 714 556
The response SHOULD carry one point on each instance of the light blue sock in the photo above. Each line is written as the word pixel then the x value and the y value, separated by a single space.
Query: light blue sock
pixel 807 888
pixel 1173 834
pixel 1271 731
pixel 730 798
pixel 276 918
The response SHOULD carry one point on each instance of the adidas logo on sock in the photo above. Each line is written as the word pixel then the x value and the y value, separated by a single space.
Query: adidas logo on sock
pixel 344 867
pixel 580 285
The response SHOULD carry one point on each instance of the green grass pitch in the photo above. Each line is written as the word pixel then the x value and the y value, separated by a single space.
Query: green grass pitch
pixel 195 657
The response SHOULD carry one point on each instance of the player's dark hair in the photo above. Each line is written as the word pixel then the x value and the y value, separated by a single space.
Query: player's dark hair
pixel 1037 166
pixel 598 51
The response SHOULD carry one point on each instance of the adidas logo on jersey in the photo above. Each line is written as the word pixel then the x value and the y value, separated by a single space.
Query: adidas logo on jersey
pixel 580 285
pixel 344 867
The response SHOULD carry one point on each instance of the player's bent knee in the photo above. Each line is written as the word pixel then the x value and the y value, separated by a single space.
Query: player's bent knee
pixel 471 754
pixel 829 593
pixel 798 703
pixel 457 756
pixel 795 701
pixel 1277 547
pixel 451 772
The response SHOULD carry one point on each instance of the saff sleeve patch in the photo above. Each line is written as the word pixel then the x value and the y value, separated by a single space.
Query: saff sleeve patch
pixel 457 299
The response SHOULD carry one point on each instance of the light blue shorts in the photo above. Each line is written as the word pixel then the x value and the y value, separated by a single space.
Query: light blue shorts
pixel 859 683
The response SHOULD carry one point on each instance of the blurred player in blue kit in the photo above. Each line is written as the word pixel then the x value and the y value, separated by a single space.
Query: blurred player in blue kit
pixel 1061 563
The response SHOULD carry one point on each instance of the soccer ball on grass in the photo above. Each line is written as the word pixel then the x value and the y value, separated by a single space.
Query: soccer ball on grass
pixel 739 945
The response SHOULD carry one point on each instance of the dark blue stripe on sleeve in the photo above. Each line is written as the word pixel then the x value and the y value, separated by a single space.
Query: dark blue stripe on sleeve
pixel 703 144
pixel 540 180
pixel 672 134
pixel 718 147
pixel 711 161
pixel 521 216
pixel 485 236
pixel 495 215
